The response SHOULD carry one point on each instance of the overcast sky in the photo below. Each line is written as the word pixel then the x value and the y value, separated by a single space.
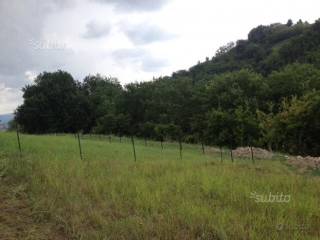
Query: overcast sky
pixel 133 40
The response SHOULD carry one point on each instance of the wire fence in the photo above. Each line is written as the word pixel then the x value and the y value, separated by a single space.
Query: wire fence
pixel 179 146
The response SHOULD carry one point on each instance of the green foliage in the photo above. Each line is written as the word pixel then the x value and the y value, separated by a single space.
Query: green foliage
pixel 297 126
pixel 106 124
pixel 234 99
pixel 103 94
pixel 229 90
pixel 294 80
pixel 53 104
pixel 247 126
pixel 221 128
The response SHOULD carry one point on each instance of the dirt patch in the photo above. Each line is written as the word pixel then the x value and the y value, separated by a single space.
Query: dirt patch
pixel 304 164
pixel 245 152
pixel 16 221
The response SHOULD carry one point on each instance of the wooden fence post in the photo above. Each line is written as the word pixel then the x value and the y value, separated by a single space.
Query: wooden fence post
pixel 79 143
pixel 134 149
pixel 180 148
pixel 202 145
pixel 231 155
pixel 252 158
pixel 19 143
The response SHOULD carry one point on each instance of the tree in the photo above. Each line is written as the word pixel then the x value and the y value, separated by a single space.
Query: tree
pixel 122 126
pixel 104 95
pixel 268 136
pixel 259 34
pixel 294 80
pixel 297 126
pixel 289 23
pixel 248 93
pixel 147 130
pixel 229 90
pixel 247 126
pixel 106 124
pixel 221 129
pixel 53 104
pixel 224 49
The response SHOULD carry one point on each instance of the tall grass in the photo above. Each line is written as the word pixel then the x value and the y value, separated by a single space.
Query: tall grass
pixel 109 196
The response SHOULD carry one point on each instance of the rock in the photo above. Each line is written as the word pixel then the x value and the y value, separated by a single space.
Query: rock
pixel 257 152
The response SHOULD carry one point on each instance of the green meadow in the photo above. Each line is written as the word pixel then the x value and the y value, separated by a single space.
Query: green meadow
pixel 108 195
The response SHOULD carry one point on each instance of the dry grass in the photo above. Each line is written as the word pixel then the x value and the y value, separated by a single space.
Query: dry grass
pixel 17 220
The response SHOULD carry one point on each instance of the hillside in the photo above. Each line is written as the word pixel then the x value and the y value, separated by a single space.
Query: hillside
pixel 268 48
pixel 263 92
pixel 5 118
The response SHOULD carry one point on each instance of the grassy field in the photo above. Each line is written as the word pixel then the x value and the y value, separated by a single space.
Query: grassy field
pixel 109 196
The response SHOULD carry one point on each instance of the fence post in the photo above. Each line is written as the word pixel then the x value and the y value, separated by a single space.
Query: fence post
pixel 252 158
pixel 79 143
pixel 202 145
pixel 161 141
pixel 231 155
pixel 221 154
pixel 134 149
pixel 19 144
pixel 180 148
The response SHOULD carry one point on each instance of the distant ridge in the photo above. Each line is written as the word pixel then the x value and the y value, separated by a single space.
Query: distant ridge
pixel 5 118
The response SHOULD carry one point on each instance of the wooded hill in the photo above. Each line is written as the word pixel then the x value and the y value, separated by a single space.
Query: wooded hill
pixel 263 91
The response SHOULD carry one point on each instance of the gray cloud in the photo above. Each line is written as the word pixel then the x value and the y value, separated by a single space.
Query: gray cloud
pixel 9 99
pixel 145 33
pixel 21 39
pixel 139 56
pixel 27 47
pixel 96 30
pixel 22 24
pixel 136 5
pixel 152 64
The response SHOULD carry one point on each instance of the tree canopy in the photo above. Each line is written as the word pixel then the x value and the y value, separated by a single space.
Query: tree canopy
pixel 262 91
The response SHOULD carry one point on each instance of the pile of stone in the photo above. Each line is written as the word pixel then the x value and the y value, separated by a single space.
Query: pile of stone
pixel 245 152
pixel 304 163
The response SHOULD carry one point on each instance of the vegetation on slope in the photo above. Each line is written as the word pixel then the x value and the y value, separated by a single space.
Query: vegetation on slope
pixel 263 91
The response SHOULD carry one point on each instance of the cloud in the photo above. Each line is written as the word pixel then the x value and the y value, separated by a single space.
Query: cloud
pixel 20 33
pixel 146 33
pixel 139 57
pixel 23 47
pixel 136 5
pixel 96 30
pixel 9 99
pixel 31 75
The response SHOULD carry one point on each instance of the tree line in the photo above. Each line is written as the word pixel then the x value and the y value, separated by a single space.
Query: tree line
pixel 264 91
